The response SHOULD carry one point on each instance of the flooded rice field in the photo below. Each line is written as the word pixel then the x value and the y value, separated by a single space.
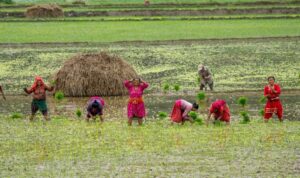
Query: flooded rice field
pixel 115 107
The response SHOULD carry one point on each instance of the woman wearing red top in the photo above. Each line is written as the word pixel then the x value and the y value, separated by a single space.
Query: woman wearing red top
pixel 219 110
pixel 273 105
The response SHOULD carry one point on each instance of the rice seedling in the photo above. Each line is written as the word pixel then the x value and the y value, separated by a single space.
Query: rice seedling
pixel 261 112
pixel 162 115
pixel 262 100
pixel 176 87
pixel 78 112
pixel 243 101
pixel 166 88
pixel 16 115
pixel 59 96
pixel 201 96
pixel 245 116
pixel 196 118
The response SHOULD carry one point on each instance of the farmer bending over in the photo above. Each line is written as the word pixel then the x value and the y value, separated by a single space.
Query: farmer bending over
pixel 95 108
pixel 181 109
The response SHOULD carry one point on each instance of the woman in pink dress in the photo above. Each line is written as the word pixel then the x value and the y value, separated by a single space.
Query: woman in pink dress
pixel 136 106
pixel 181 110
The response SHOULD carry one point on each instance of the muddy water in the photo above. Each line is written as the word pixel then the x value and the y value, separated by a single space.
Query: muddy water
pixel 116 106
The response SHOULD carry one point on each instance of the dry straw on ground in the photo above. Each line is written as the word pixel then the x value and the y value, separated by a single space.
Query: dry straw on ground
pixel 44 11
pixel 94 74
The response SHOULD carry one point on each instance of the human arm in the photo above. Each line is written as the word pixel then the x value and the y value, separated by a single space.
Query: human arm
pixel 49 88
pixel 128 84
pixel 144 84
pixel 28 91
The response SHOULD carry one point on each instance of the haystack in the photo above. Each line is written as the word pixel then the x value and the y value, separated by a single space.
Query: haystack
pixel 94 75
pixel 44 11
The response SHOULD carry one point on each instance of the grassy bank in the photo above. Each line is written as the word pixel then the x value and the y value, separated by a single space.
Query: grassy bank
pixel 64 148
pixel 24 32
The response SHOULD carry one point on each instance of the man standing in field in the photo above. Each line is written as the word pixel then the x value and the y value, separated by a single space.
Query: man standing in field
pixel 2 93
pixel 206 77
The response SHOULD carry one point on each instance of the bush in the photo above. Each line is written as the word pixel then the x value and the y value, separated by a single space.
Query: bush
pixel 242 101
pixel 59 95
pixel 16 115
pixel 245 117
pixel 201 96
pixel 78 113
pixel 6 1
pixel 162 115
pixel 176 87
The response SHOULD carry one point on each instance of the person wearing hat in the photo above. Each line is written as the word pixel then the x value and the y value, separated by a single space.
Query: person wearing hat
pixel 95 107
pixel 2 93
pixel 206 77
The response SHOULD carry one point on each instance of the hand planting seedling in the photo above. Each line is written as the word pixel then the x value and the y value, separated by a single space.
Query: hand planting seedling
pixel 219 111
pixel 196 118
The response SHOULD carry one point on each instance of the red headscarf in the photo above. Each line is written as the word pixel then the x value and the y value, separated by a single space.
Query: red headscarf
pixel 217 105
pixel 36 80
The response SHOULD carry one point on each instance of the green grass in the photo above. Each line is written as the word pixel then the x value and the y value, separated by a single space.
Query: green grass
pixel 31 32
pixel 64 148
pixel 139 1
pixel 170 63
pixel 154 18
pixel 88 8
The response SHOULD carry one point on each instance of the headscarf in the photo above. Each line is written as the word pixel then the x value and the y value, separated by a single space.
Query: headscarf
pixel 36 80
pixel 217 105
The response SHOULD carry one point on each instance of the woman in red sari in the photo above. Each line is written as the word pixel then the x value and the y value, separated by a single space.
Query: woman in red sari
pixel 181 110
pixel 273 105
pixel 220 111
